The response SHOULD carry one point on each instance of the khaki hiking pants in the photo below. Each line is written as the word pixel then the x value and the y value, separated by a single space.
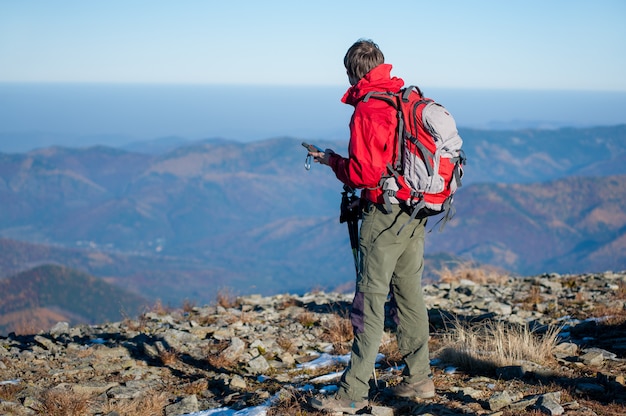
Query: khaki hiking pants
pixel 389 261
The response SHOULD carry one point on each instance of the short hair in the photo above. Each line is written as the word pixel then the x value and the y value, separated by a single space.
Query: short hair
pixel 363 56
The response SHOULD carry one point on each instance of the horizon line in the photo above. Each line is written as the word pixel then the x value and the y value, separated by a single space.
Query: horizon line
pixel 253 85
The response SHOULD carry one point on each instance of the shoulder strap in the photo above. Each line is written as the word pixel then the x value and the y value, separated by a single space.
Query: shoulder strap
pixel 393 99
pixel 388 97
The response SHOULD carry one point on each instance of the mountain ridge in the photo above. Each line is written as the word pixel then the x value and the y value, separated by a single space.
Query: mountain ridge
pixel 217 213
pixel 47 294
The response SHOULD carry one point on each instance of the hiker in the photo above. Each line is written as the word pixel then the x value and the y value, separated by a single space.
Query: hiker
pixel 389 260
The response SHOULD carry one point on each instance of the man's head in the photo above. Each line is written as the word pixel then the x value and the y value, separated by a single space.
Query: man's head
pixel 361 58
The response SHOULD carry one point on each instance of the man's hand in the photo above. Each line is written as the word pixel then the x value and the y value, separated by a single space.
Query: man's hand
pixel 322 157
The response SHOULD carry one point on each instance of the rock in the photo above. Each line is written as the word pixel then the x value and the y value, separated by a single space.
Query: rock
pixel 45 342
pixel 550 403
pixel 186 405
pixel 593 358
pixel 125 392
pixel 500 400
pixel 258 365
pixel 566 349
pixel 234 350
pixel 60 328
pixel 120 363
pixel 381 411
pixel 500 308
pixel 238 383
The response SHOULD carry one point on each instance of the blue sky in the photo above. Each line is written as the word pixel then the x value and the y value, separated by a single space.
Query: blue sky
pixel 526 44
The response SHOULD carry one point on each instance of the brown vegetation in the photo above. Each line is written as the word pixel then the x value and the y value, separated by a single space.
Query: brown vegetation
pixel 493 344
pixel 338 330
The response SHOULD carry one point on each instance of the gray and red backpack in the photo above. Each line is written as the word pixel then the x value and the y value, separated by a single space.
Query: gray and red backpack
pixel 428 166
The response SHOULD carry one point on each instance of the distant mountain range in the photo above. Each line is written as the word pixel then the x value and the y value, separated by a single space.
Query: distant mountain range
pixel 179 221
pixel 38 298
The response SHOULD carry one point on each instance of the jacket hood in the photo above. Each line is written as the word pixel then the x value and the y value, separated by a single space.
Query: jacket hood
pixel 378 79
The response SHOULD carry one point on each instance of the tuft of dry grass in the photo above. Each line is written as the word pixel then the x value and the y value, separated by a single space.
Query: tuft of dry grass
pixel 226 298
pixel 188 306
pixel 476 274
pixel 160 309
pixel 534 295
pixel 62 402
pixel 338 330
pixel 532 299
pixel 492 344
pixel 168 356
pixel 197 387
pixel 215 356
pixel 610 314
pixel 286 344
pixel 286 303
pixel 243 317
pixel 8 392
pixel 291 402
pixel 307 319
pixel 389 348
pixel 151 403
pixel 139 325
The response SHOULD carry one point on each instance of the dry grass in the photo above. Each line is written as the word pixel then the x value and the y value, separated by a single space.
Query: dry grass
pixel 610 314
pixel 307 319
pixel 620 293
pixel 197 387
pixel 243 317
pixel 151 403
pixel 215 356
pixel 469 271
pixel 61 402
pixel 534 295
pixel 8 392
pixel 168 357
pixel 286 303
pixel 139 325
pixel 492 344
pixel 389 348
pixel 226 298
pixel 160 309
pixel 188 306
pixel 286 344
pixel 291 402
pixel 338 330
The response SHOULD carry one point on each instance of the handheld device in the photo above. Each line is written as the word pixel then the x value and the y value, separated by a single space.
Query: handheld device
pixel 312 147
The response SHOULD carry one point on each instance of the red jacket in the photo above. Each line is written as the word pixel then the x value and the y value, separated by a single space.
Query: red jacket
pixel 372 134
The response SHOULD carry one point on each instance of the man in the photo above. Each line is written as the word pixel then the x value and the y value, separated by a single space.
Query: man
pixel 389 259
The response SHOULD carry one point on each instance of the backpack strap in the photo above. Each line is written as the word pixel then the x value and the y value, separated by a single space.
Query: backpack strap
pixel 393 99
pixel 416 208
pixel 449 210
pixel 458 162
pixel 408 90
pixel 381 95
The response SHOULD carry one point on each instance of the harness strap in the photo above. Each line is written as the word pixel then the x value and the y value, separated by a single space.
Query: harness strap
pixel 416 209
pixel 449 213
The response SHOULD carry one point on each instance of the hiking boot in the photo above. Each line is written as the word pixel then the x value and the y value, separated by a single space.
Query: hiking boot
pixel 336 404
pixel 423 389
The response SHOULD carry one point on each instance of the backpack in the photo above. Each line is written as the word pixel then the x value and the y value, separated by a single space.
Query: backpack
pixel 428 166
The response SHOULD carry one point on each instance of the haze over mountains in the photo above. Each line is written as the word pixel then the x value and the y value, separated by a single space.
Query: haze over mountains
pixel 182 221
pixel 78 115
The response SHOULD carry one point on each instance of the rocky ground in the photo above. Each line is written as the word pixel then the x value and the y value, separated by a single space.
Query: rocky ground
pixel 268 355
